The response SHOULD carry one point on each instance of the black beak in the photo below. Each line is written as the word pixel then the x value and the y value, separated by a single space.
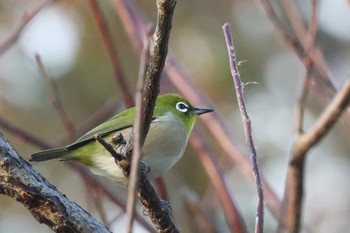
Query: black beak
pixel 201 111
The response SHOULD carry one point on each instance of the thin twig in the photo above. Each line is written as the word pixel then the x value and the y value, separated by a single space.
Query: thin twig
pixel 26 18
pixel 234 218
pixel 111 50
pixel 259 227
pixel 312 28
pixel 138 144
pixel 203 222
pixel 26 135
pixel 55 99
pixel 118 157
pixel 300 108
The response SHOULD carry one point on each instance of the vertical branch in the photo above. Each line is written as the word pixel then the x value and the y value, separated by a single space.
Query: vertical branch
pixel 112 52
pixel 137 152
pixel 300 108
pixel 259 227
pixel 55 99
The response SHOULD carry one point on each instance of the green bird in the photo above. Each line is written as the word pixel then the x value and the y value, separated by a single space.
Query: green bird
pixel 172 123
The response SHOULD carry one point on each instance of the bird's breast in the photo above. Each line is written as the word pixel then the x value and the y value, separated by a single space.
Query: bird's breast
pixel 165 144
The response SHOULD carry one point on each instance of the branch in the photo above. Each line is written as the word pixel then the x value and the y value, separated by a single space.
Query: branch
pixel 295 177
pixel 259 227
pixel 112 52
pixel 26 18
pixel 326 121
pixel 202 221
pixel 55 98
pixel 233 215
pixel 31 138
pixel 19 181
pixel 138 143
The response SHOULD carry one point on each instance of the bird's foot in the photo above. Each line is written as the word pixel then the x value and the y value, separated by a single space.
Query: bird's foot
pixel 118 139
pixel 166 206
pixel 144 167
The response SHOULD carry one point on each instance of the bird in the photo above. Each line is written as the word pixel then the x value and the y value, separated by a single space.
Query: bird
pixel 172 122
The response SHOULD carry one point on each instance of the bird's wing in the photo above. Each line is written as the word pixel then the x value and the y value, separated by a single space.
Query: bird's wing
pixel 121 121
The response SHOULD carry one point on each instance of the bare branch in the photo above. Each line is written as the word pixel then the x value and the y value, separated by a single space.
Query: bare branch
pixel 326 121
pixel 112 51
pixel 26 18
pixel 31 138
pixel 299 111
pixel 55 99
pixel 259 227
pixel 204 222
pixel 138 143
pixel 233 215
pixel 19 181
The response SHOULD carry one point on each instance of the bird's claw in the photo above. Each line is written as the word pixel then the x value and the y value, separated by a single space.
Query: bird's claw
pixel 144 167
pixel 118 139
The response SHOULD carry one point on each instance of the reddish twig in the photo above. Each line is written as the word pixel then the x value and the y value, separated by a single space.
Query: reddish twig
pixel 161 188
pixel 29 137
pixel 299 112
pixel 203 222
pixel 111 50
pixel 138 140
pixel 312 28
pixel 55 99
pixel 259 227
pixel 234 218
pixel 26 18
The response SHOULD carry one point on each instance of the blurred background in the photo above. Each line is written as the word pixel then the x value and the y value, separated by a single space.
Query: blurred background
pixel 66 36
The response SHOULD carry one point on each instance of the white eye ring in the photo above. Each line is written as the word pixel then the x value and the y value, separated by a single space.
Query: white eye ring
pixel 182 107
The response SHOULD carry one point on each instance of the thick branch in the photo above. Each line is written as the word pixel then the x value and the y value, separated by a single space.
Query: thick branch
pixel 19 181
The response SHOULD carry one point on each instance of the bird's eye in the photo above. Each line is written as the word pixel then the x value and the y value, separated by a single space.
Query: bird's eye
pixel 182 107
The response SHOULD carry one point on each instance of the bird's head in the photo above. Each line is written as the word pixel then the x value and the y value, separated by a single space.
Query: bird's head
pixel 181 108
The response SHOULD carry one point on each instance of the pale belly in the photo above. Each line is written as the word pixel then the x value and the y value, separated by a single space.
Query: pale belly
pixel 164 146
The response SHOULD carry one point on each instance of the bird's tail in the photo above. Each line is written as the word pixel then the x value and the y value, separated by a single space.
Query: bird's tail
pixel 48 154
